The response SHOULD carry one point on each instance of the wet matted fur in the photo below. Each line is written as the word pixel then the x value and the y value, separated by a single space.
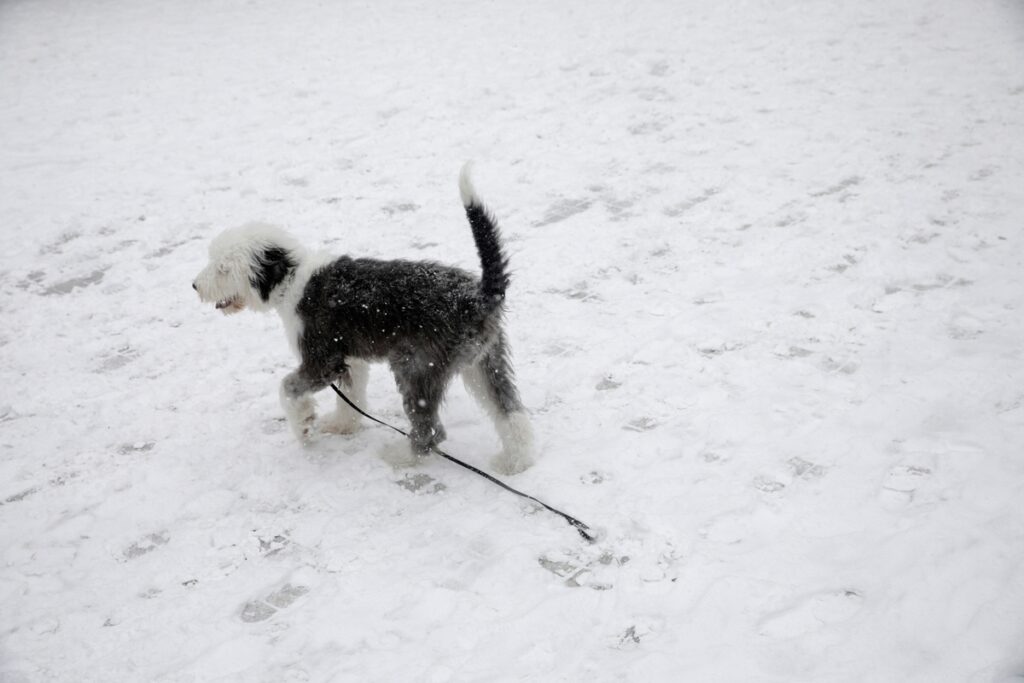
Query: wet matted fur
pixel 427 320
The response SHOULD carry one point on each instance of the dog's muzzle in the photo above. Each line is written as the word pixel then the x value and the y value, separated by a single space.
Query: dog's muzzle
pixel 226 306
pixel 229 306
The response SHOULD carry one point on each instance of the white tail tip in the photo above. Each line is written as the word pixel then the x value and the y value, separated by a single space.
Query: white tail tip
pixel 469 197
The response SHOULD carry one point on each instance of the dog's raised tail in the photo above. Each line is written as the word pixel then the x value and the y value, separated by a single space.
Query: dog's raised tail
pixel 494 280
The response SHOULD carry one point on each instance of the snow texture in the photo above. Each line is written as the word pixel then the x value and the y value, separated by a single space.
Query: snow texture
pixel 766 311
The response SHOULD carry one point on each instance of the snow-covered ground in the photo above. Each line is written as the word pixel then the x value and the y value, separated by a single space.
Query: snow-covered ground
pixel 767 312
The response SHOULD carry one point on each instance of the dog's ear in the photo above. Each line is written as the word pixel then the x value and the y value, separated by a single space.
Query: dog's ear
pixel 271 268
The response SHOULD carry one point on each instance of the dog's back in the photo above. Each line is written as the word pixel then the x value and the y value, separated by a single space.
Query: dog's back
pixel 371 307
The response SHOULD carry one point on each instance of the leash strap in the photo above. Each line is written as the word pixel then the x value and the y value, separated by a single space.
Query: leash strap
pixel 585 531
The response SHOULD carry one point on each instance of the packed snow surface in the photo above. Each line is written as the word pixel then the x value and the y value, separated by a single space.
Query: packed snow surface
pixel 766 312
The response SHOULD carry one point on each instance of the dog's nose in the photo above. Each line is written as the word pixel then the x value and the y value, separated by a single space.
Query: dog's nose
pixel 194 287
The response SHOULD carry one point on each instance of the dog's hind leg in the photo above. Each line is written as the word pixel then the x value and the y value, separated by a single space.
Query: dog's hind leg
pixel 422 383
pixel 491 382
pixel 345 420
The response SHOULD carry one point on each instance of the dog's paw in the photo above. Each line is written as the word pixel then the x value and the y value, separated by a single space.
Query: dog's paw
pixel 440 434
pixel 400 455
pixel 509 464
pixel 300 412
pixel 518 451
pixel 304 430
pixel 340 422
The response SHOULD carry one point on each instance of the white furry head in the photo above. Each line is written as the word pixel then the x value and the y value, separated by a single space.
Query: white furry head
pixel 246 265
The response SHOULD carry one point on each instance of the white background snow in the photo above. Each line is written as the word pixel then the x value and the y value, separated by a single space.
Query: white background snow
pixel 767 313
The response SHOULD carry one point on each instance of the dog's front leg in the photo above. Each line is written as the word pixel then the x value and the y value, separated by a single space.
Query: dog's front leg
pixel 345 420
pixel 297 389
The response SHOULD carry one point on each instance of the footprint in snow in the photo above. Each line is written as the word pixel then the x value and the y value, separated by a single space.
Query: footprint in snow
pixel 146 545
pixel 261 610
pixel 398 208
pixel 68 286
pixel 619 209
pixel 679 208
pixel 420 483
pixel 659 68
pixel 811 613
pixel 272 545
pixel 273 425
pixel 983 173
pixel 766 485
pixel 563 209
pixel 846 367
pixel 580 572
pixel 631 638
pixel 34 278
pixel 792 352
pixel 295 181
pixel 902 482
pixel 137 447
pixel 965 328
pixel 791 219
pixel 650 126
pixel 848 261
pixel 842 185
pixel 579 291
pixel 637 633
pixel 117 359
pixel 716 347
pixel 168 248
pixel 941 281
pixel 57 246
pixel 20 496
pixel 805 469
pixel 906 477
pixel 559 348
pixel 641 424
pixel 595 477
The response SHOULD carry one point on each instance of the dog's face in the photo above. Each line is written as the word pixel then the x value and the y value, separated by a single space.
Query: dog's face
pixel 246 265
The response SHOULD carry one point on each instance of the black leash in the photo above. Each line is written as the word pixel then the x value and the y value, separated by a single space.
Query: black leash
pixel 584 530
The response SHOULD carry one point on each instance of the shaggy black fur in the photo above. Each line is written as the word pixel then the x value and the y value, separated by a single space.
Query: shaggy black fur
pixel 271 269
pixel 426 319
pixel 488 244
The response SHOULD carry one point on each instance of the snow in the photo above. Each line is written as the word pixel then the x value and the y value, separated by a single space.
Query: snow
pixel 765 310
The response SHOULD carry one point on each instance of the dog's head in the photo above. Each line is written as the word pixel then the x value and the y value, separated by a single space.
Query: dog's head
pixel 246 265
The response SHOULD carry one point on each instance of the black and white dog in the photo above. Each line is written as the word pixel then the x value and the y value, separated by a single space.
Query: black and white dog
pixel 427 320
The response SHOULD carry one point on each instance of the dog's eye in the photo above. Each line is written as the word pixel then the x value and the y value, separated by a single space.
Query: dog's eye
pixel 223 268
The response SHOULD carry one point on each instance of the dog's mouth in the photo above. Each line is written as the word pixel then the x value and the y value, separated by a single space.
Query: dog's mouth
pixel 229 306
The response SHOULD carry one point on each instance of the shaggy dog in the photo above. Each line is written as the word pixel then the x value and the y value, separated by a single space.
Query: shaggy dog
pixel 427 320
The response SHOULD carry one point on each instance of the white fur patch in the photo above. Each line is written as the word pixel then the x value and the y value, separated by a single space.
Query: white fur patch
pixel 286 299
pixel 345 420
pixel 518 452
pixel 466 190
pixel 301 414
pixel 514 430
pixel 475 383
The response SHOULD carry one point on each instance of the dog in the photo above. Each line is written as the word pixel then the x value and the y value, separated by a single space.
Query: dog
pixel 427 320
